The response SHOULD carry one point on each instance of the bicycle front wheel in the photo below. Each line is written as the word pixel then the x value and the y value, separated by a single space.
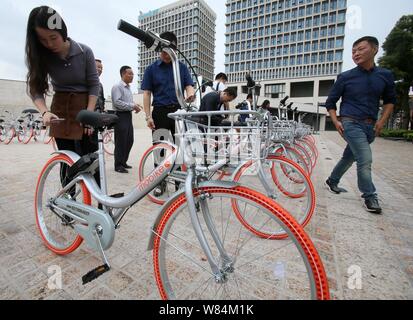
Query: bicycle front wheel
pixel 258 268
pixel 56 229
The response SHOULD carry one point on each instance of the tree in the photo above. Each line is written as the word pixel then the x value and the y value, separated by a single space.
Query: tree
pixel 398 57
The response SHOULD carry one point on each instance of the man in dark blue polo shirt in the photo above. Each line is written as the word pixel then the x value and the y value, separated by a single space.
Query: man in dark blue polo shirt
pixel 158 82
pixel 361 90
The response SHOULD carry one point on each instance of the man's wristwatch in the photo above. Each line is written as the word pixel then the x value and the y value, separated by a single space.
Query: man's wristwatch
pixel 147 118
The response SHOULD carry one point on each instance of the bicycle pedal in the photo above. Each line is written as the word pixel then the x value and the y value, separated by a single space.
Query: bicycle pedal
pixel 95 273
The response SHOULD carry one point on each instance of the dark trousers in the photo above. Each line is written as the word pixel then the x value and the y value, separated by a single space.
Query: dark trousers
pixel 123 138
pixel 88 144
pixel 164 126
pixel 162 121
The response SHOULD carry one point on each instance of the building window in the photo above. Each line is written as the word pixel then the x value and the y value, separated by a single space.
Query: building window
pixel 302 89
pixel 275 91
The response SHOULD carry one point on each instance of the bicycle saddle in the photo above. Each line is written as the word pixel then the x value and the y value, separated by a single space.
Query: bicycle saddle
pixel 96 120
pixel 32 111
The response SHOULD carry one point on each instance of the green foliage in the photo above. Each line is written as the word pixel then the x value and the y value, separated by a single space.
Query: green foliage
pixel 406 134
pixel 409 136
pixel 398 49
pixel 398 57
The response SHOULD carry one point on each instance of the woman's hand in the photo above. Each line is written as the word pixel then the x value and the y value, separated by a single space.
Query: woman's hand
pixel 48 117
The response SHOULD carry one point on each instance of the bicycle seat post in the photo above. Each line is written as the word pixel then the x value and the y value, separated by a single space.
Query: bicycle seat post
pixel 102 164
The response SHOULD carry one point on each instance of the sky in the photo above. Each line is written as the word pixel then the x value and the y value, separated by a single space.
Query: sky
pixel 94 23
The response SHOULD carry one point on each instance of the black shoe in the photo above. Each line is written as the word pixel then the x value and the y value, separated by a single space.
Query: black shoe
pixel 127 166
pixel 121 170
pixel 333 188
pixel 372 205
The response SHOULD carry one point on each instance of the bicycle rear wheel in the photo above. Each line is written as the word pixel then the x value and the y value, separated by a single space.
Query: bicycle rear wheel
pixel 258 268
pixel 56 229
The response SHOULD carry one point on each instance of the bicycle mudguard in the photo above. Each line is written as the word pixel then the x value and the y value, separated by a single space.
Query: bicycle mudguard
pixel 214 183
pixel 80 164
pixel 72 155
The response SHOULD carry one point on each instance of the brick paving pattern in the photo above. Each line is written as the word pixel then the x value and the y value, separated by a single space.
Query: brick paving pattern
pixel 347 237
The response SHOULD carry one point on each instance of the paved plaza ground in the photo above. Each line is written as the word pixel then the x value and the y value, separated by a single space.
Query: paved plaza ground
pixel 366 256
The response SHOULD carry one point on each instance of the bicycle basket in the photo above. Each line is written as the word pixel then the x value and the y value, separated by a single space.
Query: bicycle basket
pixel 208 137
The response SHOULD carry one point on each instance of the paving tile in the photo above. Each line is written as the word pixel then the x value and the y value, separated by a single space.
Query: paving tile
pixel 344 234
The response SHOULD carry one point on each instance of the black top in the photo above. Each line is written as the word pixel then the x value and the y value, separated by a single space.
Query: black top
pixel 212 102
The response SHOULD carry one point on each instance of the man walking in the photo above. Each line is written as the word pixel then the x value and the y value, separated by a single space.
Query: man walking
pixel 122 99
pixel 361 90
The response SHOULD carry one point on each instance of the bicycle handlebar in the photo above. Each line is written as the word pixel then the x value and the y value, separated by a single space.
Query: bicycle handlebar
pixel 283 101
pixel 136 33
pixel 149 38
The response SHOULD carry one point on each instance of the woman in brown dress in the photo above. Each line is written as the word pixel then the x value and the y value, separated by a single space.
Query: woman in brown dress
pixel 51 54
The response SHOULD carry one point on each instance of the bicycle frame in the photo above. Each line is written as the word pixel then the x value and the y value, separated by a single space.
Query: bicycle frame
pixel 97 227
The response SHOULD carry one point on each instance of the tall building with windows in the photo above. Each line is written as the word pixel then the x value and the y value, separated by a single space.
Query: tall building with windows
pixel 193 21
pixel 293 47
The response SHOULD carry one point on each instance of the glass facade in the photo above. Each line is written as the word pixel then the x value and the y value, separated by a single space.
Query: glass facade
pixel 284 39
pixel 194 24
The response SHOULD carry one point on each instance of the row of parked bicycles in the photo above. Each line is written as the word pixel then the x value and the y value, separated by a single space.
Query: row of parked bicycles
pixel 235 200
pixel 28 126
pixel 24 127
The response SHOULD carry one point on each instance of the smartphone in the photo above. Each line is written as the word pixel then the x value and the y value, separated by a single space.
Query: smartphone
pixel 54 120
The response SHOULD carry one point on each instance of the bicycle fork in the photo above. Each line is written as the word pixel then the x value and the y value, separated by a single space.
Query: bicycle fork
pixel 227 262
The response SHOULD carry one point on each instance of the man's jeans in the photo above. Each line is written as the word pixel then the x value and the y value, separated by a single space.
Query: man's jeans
pixel 359 136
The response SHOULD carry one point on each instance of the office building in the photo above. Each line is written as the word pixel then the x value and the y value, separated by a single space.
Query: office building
pixel 193 21
pixel 293 47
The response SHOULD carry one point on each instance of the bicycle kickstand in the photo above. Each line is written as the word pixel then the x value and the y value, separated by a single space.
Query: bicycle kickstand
pixel 98 271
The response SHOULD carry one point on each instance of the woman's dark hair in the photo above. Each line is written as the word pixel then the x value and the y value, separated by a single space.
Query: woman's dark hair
pixel 36 54
pixel 265 104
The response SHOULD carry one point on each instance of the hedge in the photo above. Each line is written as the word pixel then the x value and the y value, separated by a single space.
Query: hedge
pixel 406 134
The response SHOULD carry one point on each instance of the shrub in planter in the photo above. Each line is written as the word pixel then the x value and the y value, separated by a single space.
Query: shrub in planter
pixel 409 136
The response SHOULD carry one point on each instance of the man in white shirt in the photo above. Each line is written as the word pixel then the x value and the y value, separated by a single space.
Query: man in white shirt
pixel 219 84
pixel 122 100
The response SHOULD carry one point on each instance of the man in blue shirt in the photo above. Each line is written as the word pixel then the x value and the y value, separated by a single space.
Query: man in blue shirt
pixel 361 90
pixel 158 82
